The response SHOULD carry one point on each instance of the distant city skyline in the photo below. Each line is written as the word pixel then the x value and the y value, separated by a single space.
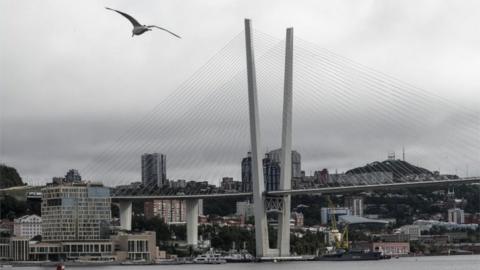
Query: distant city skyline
pixel 88 86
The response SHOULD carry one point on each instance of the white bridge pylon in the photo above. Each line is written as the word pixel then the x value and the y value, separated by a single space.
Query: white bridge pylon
pixel 259 201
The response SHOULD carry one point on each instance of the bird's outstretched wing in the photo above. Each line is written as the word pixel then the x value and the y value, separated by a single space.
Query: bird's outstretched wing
pixel 150 26
pixel 130 18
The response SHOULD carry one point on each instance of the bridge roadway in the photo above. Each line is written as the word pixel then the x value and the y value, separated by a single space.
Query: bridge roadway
pixel 321 190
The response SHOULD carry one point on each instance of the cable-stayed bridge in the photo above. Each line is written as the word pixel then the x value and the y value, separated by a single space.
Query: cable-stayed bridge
pixel 343 79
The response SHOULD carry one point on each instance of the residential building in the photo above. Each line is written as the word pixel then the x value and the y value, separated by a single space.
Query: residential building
pixel 28 226
pixel 181 183
pixel 355 204
pixel 171 211
pixel 275 156
pixel 76 211
pixel 6 226
pixel 456 215
pixel 298 219
pixel 271 170
pixel 73 176
pixel 229 185
pixel 247 173
pixel 154 169
pixel 321 177
pixel 245 209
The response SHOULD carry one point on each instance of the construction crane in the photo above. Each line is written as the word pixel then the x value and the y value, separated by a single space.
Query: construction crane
pixel 341 239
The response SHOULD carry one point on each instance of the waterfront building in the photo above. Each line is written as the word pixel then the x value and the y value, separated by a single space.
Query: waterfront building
pixel 154 169
pixel 392 248
pixel 137 246
pixel 19 248
pixel 456 215
pixel 171 211
pixel 355 204
pixel 28 226
pixel 4 248
pixel 388 248
pixel 75 211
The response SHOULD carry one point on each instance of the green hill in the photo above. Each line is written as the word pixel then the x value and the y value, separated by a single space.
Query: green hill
pixel 398 168
pixel 9 177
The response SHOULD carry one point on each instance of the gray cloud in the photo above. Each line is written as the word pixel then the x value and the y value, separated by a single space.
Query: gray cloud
pixel 73 82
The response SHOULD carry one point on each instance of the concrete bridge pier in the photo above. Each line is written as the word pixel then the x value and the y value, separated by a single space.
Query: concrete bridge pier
pixel 125 215
pixel 192 221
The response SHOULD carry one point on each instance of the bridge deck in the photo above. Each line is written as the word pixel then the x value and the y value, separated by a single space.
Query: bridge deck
pixel 322 190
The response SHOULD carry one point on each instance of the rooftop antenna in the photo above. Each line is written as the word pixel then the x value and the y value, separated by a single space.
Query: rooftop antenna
pixel 403 153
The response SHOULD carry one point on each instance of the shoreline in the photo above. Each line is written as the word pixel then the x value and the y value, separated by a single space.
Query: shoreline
pixel 182 262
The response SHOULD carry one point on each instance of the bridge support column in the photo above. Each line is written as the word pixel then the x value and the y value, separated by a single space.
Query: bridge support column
pixel 283 238
pixel 192 222
pixel 261 229
pixel 125 215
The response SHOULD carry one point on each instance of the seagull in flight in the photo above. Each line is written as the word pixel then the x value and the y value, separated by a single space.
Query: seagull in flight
pixel 139 29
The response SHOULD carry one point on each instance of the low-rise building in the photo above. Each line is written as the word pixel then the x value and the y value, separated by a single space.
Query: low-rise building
pixel 326 213
pixel 137 246
pixel 298 219
pixel 28 226
pixel 4 248
pixel 19 248
pixel 229 185
pixel 392 248
pixel 413 231
pixel 245 209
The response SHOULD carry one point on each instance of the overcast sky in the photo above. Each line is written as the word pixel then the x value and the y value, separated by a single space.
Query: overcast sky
pixel 72 80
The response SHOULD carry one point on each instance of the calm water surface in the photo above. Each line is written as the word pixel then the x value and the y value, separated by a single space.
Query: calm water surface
pixel 469 262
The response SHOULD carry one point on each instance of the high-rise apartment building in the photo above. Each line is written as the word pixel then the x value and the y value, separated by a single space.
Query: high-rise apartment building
pixel 76 211
pixel 275 156
pixel 171 211
pixel 154 169
pixel 271 170
pixel 355 204
pixel 247 173
pixel 456 215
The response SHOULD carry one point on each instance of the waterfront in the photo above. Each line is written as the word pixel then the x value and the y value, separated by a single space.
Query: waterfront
pixel 467 262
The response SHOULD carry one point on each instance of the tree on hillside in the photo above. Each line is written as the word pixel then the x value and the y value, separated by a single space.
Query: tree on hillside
pixel 9 177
